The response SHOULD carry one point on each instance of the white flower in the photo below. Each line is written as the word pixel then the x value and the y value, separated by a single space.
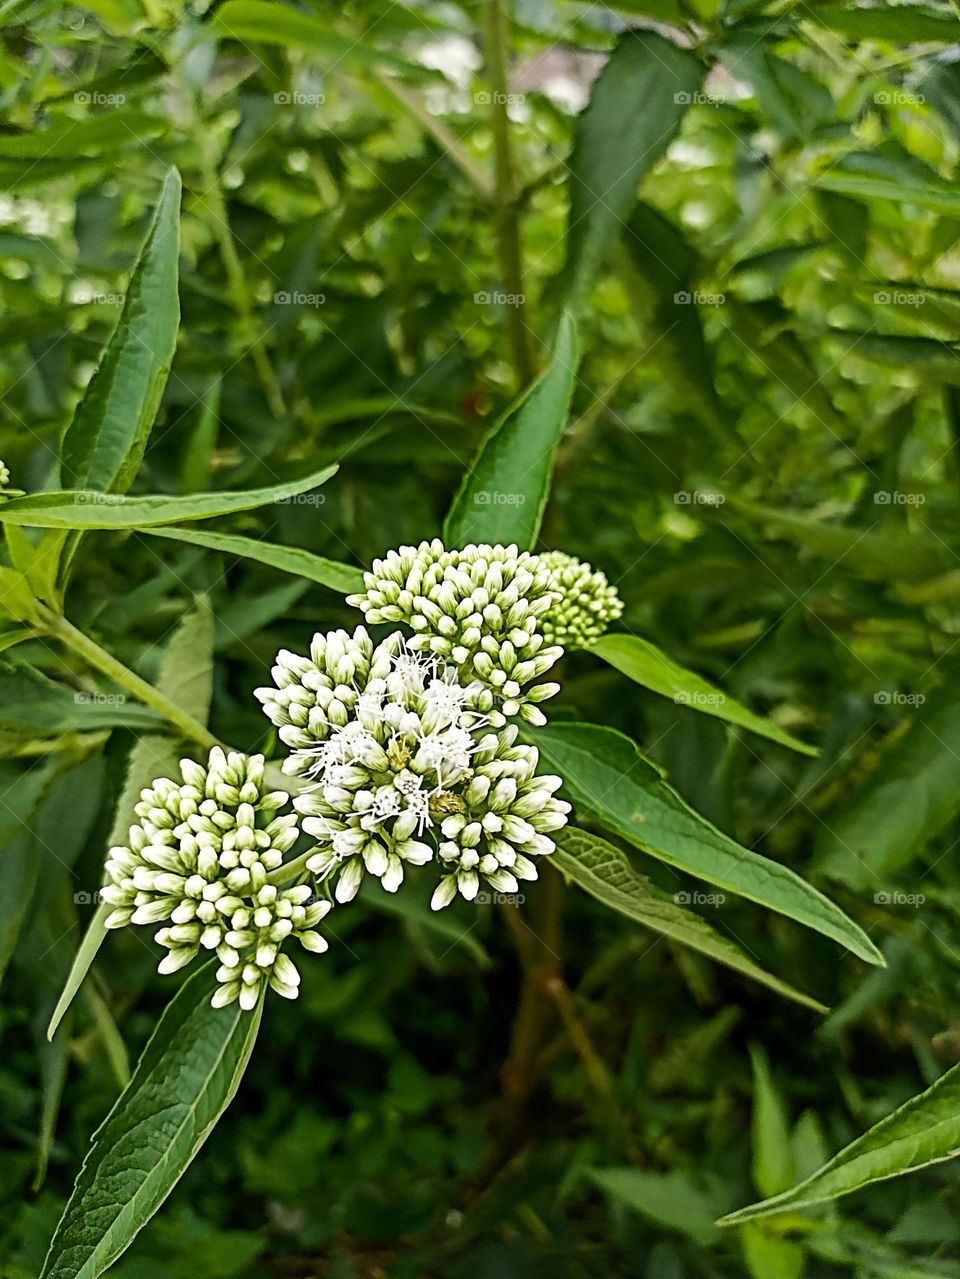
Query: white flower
pixel 479 610
pixel 587 602
pixel 405 771
pixel 198 861
pixel 4 476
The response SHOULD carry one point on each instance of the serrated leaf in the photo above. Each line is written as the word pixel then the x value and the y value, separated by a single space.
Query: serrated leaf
pixel 103 445
pixel 923 1131
pixel 635 108
pixel 89 510
pixel 650 667
pixel 186 677
pixel 610 782
pixel 503 494
pixel 186 1078
pixel 606 874
pixel 289 559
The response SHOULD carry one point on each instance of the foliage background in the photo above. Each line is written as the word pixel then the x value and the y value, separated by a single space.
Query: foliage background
pixel 762 456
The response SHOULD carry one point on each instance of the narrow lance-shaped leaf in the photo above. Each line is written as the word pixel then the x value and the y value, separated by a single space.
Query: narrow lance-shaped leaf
pixel 606 874
pixel 186 677
pixel 251 20
pixel 288 559
pixel 610 781
pixel 925 1130
pixel 104 443
pixel 504 493
pixel 635 108
pixel 88 510
pixel 186 1078
pixel 650 667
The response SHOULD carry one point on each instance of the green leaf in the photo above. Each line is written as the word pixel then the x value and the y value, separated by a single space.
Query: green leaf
pixel 897 23
pixel 890 177
pixel 923 1131
pixel 104 442
pixel 903 803
pixel 609 780
pixel 112 511
pixel 773 1167
pixel 650 667
pixel 770 1257
pixel 111 131
pixel 186 677
pixel 30 702
pixel 670 1199
pixel 606 874
pixel 186 1078
pixel 503 495
pixel 273 23
pixel 289 559
pixel 634 110
pixel 931 359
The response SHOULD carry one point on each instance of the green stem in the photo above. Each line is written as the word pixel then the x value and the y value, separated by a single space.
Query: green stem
pixel 505 191
pixel 108 665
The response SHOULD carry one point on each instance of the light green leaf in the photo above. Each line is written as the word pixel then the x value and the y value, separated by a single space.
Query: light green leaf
pixel 186 1078
pixel 32 703
pixel 606 874
pixel 635 108
pixel 670 1199
pixel 186 677
pixel 274 23
pixel 925 1130
pixel 898 23
pixel 610 782
pixel 111 511
pixel 503 495
pixel 650 667
pixel 104 442
pixel 770 1257
pixel 98 134
pixel 289 559
pixel 773 1167
pixel 890 177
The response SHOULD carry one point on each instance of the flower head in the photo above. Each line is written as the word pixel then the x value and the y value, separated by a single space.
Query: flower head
pixel 198 861
pixel 479 610
pixel 406 770
pixel 4 476
pixel 587 602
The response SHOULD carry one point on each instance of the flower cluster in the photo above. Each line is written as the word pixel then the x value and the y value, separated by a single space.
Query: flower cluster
pixel 586 602
pixel 405 769
pixel 4 476
pixel 199 862
pixel 479 610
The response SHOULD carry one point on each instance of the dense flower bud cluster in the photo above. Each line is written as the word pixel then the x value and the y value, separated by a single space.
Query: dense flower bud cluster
pixel 198 861
pixel 478 609
pixel 405 769
pixel 586 602
pixel 4 476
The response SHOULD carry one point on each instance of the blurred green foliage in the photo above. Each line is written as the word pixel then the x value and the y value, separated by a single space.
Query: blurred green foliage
pixel 762 455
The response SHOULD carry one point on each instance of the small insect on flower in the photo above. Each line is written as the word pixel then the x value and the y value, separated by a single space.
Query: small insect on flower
pixel 587 602
pixel 403 770
pixel 199 862
pixel 479 610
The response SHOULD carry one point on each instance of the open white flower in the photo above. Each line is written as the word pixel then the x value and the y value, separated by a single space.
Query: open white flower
pixel 405 770
pixel 479 610
pixel 198 861
pixel 586 602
